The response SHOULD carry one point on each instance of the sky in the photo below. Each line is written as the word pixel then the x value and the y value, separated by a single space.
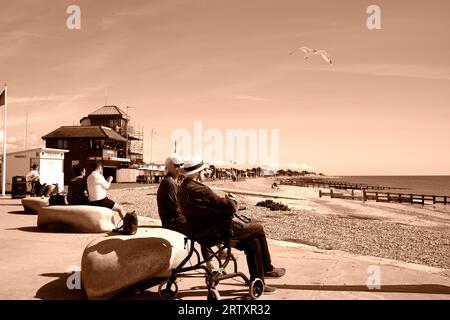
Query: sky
pixel 382 108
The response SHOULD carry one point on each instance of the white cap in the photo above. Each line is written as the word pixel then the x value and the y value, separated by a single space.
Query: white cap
pixel 175 159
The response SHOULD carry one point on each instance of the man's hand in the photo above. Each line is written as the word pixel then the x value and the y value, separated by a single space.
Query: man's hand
pixel 231 196
pixel 110 179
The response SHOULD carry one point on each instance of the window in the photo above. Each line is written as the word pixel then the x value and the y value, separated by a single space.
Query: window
pixel 62 144
pixel 96 144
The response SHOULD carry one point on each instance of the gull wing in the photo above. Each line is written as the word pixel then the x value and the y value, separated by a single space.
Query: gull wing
pixel 324 55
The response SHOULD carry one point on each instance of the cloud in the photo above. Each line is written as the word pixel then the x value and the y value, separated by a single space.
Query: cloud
pixel 248 98
pixel 391 70
pixel 13 139
pixel 17 143
pixel 44 98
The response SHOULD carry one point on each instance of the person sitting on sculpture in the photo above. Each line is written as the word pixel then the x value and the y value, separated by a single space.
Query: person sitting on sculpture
pixel 97 186
pixel 210 217
pixel 77 192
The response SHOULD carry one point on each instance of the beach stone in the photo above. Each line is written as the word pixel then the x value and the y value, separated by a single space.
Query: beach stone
pixel 83 219
pixel 34 204
pixel 111 264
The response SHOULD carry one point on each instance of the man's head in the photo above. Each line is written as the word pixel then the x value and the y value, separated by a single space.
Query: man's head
pixel 97 166
pixel 173 164
pixel 34 166
pixel 194 167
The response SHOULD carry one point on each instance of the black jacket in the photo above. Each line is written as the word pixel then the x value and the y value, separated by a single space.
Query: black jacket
pixel 208 215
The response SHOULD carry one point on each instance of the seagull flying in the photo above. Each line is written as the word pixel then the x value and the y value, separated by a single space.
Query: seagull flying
pixel 307 51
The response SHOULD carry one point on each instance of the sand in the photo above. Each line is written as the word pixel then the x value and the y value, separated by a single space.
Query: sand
pixel 410 233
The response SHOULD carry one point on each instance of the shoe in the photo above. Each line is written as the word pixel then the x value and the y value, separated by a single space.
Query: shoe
pixel 269 290
pixel 275 273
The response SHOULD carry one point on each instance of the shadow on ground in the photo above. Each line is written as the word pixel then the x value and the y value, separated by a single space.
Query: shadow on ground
pixel 57 289
pixel 29 229
pixel 20 212
pixel 400 288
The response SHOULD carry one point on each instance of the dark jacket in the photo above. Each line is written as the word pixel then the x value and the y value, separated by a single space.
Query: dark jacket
pixel 167 202
pixel 76 195
pixel 208 215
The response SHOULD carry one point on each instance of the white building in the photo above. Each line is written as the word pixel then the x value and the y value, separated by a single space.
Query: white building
pixel 50 162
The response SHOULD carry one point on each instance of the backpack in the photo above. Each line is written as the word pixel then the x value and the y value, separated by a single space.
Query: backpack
pixel 129 225
pixel 57 200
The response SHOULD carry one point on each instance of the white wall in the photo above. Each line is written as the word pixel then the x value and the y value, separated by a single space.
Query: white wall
pixel 51 167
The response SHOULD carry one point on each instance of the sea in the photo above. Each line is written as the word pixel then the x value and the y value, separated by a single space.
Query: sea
pixel 427 185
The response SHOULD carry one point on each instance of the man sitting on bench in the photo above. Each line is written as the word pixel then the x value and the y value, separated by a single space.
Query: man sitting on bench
pixel 207 214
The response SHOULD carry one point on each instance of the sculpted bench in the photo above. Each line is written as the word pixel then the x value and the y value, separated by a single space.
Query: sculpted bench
pixel 111 264
pixel 83 219
pixel 33 204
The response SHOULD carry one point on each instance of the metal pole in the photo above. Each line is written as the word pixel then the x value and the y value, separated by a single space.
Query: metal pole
pixel 4 144
pixel 26 130
pixel 151 147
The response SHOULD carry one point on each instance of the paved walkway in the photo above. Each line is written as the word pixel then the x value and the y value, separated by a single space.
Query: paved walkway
pixel 34 265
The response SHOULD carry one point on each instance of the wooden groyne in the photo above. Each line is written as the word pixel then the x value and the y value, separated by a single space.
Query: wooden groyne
pixel 389 197
pixel 329 184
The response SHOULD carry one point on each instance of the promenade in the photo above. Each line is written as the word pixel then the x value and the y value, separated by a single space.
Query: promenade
pixel 34 265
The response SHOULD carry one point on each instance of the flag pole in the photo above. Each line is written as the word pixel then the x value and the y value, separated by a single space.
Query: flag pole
pixel 26 131
pixel 4 144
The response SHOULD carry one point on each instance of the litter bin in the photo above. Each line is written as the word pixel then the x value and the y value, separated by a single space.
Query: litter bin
pixel 18 187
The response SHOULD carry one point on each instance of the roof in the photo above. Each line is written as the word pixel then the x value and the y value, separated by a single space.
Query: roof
pixel 67 132
pixel 109 111
pixel 39 149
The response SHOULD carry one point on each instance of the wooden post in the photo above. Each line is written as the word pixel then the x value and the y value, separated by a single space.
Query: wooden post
pixel 364 195
pixel 399 198
pixel 445 200
pixel 411 199
pixel 331 193
pixel 353 194
pixel 434 199
pixel 423 199
pixel 388 197
pixel 376 195
pixel 320 193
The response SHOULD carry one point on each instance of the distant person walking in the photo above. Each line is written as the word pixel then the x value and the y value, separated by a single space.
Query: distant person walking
pixel 77 193
pixel 97 186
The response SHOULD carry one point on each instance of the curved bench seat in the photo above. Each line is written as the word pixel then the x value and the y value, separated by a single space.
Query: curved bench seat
pixel 84 219
pixel 111 264
pixel 33 204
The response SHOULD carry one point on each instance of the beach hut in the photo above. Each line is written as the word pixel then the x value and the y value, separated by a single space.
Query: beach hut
pixel 50 162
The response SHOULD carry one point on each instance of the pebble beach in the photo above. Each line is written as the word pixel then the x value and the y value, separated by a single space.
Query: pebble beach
pixel 409 233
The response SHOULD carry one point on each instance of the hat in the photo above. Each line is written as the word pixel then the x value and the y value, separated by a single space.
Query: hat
pixel 175 159
pixel 193 165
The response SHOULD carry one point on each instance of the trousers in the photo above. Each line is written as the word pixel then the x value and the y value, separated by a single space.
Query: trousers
pixel 252 239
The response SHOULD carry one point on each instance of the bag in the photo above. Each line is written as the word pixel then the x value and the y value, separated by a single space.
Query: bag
pixel 129 225
pixel 57 200
pixel 239 221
